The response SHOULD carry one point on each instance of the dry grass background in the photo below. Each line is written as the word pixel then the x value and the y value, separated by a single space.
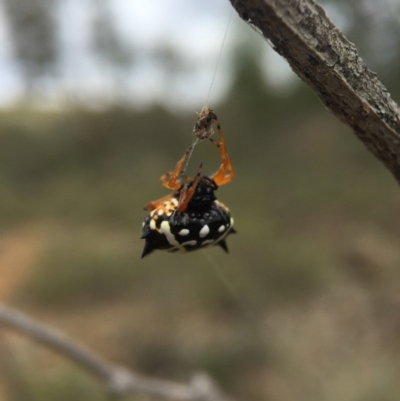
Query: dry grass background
pixel 314 310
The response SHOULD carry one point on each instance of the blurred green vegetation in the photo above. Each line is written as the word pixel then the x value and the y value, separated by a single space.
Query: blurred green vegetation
pixel 66 384
pixel 310 277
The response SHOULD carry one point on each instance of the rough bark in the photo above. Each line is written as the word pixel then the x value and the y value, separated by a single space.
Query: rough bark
pixel 319 53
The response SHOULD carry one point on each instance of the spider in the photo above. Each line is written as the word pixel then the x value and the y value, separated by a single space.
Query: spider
pixel 191 217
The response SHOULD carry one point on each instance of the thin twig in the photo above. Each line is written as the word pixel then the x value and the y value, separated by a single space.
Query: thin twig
pixel 119 381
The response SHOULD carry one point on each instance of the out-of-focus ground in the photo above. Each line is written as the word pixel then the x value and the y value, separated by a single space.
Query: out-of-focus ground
pixel 305 307
pixel 312 308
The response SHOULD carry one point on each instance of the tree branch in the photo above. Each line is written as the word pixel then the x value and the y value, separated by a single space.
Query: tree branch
pixel 118 380
pixel 320 55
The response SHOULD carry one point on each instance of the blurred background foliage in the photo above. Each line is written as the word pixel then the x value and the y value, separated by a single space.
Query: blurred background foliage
pixel 306 305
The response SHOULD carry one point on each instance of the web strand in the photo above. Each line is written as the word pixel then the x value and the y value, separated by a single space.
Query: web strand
pixel 230 286
pixel 219 55
pixel 194 143
pixel 197 140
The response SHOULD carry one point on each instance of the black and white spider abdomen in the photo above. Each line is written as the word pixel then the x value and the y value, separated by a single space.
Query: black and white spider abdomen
pixel 166 228
pixel 191 218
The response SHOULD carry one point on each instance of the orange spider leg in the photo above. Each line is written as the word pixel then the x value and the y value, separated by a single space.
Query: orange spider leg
pixel 170 180
pixel 188 192
pixel 187 178
pixel 152 205
pixel 225 172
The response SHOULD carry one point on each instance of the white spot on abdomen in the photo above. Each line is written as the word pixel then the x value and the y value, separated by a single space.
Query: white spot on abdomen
pixel 207 241
pixel 221 229
pixel 192 242
pixel 166 230
pixel 204 231
pixel 184 232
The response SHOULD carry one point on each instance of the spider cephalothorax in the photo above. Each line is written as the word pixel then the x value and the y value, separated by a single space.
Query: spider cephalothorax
pixel 191 217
